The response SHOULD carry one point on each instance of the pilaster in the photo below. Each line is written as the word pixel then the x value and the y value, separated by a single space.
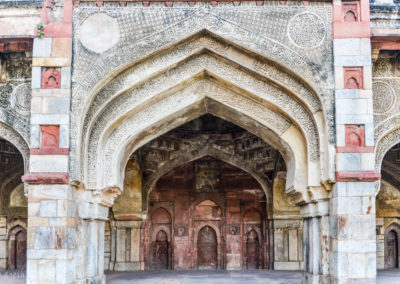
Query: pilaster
pixel 352 206
pixel 316 242
pixel 52 222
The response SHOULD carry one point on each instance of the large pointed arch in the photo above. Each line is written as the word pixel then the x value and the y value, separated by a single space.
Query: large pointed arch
pixel 88 101
pixel 119 113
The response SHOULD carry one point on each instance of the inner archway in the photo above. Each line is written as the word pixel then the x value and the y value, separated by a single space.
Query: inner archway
pixel 208 173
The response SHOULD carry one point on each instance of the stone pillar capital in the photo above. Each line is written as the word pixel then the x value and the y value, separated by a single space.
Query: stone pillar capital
pixel 315 209
pixel 107 196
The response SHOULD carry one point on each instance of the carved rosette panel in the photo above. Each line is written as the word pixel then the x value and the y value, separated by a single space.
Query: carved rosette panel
pixel 306 30
pixel 384 97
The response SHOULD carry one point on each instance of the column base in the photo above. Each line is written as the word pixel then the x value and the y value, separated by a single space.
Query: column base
pixel 309 278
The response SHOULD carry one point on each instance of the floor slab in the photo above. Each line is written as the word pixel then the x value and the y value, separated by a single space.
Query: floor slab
pixel 203 277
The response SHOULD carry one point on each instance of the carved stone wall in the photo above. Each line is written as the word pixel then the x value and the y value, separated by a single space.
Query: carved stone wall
pixel 386 98
pixel 15 92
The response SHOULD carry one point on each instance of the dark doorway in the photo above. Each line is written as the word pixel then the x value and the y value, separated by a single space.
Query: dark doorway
pixel 253 248
pixel 162 254
pixel 392 249
pixel 207 249
pixel 17 248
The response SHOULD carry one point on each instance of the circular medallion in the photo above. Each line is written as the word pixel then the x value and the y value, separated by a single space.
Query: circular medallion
pixel 21 98
pixel 306 30
pixel 384 97
pixel 99 32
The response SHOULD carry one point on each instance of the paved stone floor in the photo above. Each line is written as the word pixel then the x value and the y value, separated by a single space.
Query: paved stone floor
pixel 203 277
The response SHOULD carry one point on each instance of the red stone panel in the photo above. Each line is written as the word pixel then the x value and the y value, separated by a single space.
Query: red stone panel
pixel 51 78
pixel 354 135
pixel 351 11
pixel 353 77
pixel 50 136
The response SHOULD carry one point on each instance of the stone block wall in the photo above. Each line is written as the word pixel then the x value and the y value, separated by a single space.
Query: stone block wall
pixel 123 246
pixel 288 244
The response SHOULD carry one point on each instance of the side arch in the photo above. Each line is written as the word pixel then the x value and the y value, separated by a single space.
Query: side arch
pixel 15 138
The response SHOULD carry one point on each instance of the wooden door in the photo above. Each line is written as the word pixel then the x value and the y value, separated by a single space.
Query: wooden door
pixel 207 249
pixel 253 250
pixel 392 250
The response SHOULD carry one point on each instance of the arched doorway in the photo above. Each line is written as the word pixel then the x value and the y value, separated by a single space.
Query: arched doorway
pixel 207 247
pixel 387 210
pixel 161 232
pixel 392 249
pixel 161 251
pixel 252 227
pixel 17 248
pixel 13 207
pixel 207 186
pixel 252 250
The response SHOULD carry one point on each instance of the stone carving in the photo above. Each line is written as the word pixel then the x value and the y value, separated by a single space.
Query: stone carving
pixel 15 100
pixel 306 30
pixel 384 145
pixel 384 97
pixel 109 194
pixel 20 98
pixel 99 32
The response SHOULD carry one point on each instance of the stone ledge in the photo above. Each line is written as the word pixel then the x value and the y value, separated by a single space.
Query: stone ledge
pixel 50 151
pixel 45 178
pixel 361 176
pixel 355 149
